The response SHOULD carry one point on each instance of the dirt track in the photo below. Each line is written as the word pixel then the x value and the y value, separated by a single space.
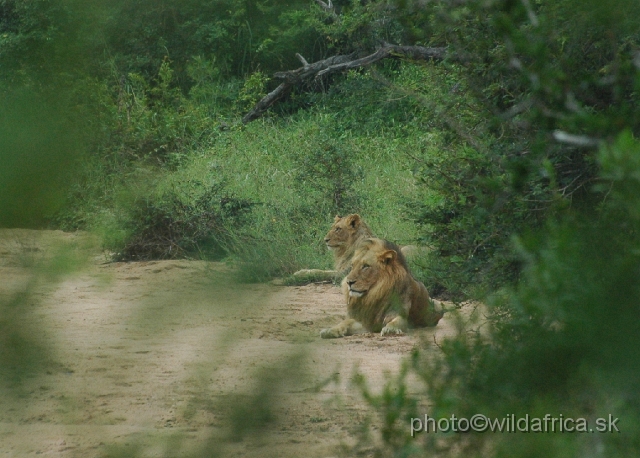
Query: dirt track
pixel 152 359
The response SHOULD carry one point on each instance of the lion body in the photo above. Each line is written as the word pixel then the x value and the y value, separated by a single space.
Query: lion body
pixel 381 293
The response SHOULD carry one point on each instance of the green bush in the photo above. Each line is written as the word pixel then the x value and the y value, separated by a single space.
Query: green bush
pixel 197 220
pixel 560 342
pixel 329 174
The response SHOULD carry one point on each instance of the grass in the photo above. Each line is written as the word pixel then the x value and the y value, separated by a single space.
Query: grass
pixel 261 164
pixel 292 176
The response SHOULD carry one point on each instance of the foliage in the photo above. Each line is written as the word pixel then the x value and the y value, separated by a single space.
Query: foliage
pixel 240 36
pixel 559 342
pixel 524 76
pixel 252 90
pixel 39 145
pixel 560 339
pixel 329 173
pixel 514 161
pixel 198 220
pixel 152 120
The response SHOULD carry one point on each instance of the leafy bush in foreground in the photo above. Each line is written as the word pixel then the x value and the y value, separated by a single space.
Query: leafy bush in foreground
pixel 564 341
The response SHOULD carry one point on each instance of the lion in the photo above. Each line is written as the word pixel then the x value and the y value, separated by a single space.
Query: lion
pixel 382 295
pixel 343 238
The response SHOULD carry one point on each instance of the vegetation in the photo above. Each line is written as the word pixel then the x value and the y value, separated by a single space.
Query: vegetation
pixel 514 160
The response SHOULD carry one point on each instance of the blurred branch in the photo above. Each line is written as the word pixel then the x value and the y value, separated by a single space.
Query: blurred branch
pixel 517 109
pixel 327 6
pixel 576 140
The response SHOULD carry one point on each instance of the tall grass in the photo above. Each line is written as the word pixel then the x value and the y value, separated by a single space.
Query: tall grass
pixel 278 183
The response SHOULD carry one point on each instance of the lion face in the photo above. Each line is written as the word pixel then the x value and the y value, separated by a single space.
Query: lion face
pixel 343 232
pixel 372 262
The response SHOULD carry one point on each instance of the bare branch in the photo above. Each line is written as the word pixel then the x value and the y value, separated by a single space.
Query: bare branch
pixel 411 52
pixel 271 98
pixel 335 64
pixel 435 342
pixel 576 140
pixel 302 59
pixel 328 6
pixel 310 71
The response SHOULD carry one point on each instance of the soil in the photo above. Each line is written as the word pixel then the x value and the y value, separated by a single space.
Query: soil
pixel 174 358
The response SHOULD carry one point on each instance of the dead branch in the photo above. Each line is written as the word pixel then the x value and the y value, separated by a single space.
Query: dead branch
pixel 411 52
pixel 309 72
pixel 268 100
pixel 576 140
pixel 328 6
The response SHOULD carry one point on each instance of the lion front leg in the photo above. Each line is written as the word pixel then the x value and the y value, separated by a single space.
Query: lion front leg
pixel 395 326
pixel 346 328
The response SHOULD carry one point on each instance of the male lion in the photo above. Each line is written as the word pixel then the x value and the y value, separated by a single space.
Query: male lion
pixel 382 294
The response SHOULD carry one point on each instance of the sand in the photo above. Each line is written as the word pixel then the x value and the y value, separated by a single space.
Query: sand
pixel 174 358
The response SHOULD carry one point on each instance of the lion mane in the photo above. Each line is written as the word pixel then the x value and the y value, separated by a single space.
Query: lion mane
pixel 382 295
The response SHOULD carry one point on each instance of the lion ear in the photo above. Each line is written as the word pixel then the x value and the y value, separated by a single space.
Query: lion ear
pixel 388 256
pixel 353 220
pixel 336 219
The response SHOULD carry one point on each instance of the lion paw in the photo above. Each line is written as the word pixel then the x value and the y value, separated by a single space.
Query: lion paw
pixel 391 330
pixel 346 328
pixel 330 333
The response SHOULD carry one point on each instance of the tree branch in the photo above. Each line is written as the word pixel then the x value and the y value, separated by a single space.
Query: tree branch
pixel 411 52
pixel 302 59
pixel 268 100
pixel 328 6
pixel 576 140
pixel 335 64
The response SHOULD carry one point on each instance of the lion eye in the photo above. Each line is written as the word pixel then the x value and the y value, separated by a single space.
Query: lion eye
pixel 338 229
pixel 365 266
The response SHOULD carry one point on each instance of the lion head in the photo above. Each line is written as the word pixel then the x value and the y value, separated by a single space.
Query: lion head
pixel 343 238
pixel 375 267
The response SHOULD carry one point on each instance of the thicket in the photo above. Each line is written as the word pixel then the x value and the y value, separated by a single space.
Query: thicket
pixel 514 160
pixel 553 171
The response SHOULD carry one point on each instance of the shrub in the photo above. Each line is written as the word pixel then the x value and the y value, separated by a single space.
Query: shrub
pixel 560 342
pixel 328 172
pixel 200 221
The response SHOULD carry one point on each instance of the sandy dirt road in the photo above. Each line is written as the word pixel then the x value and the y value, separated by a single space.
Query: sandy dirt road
pixel 173 358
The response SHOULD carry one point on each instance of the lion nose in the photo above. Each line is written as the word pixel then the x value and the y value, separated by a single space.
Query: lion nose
pixel 350 282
